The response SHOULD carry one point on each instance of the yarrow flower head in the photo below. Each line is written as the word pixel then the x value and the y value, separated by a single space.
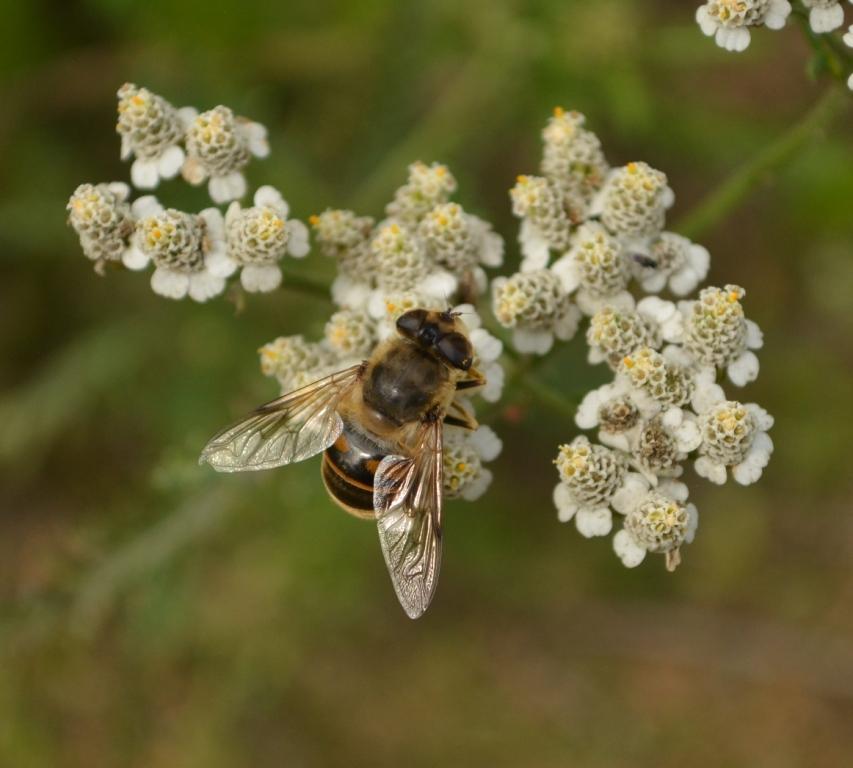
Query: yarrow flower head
pixel 351 334
pixel 464 454
pixel 545 224
pixel 595 267
pixel 428 186
pixel 614 333
pixel 259 237
pixel 219 146
pixel 101 216
pixel 346 237
pixel 665 382
pixel 656 520
pixel 728 21
pixel 734 436
pixel 536 307
pixel 294 362
pixel 634 201
pixel 460 242
pixel 590 475
pixel 573 159
pixel 188 253
pixel 152 130
pixel 716 333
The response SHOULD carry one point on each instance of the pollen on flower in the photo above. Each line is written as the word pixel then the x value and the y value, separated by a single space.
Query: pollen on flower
pixel 634 201
pixel 292 359
pixel 616 334
pixel 659 524
pixel 667 383
pixel 256 235
pixel 399 259
pixel 531 299
pixel 716 328
pixel 173 240
pixel 101 216
pixel 350 333
pixel 215 142
pixel 541 203
pixel 727 431
pixel 427 186
pixel 147 122
pixel 592 472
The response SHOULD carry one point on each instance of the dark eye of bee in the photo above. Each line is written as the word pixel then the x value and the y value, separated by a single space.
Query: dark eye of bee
pixel 428 335
pixel 456 350
pixel 409 323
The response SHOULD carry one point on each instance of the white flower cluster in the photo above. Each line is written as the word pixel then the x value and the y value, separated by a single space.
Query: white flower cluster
pixel 192 254
pixel 428 252
pixel 664 406
pixel 729 21
pixel 607 228
pixel 427 249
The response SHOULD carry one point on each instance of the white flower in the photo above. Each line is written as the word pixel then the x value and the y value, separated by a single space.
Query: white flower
pixel 427 186
pixel 258 238
pixel 458 241
pixel 656 520
pixel 848 38
pixel 536 307
pixel 188 252
pixel 665 382
pixel 219 146
pixel 539 203
pixel 590 475
pixel 152 130
pixel 103 220
pixel 351 333
pixel 633 203
pixel 615 410
pixel 824 15
pixel 717 333
pixel 664 315
pixel 295 362
pixel 734 436
pixel 594 266
pixel 674 262
pixel 614 333
pixel 572 159
pixel 464 454
pixel 729 20
pixel 534 247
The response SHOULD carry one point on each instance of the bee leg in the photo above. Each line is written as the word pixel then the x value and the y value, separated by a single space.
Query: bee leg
pixel 474 379
pixel 457 416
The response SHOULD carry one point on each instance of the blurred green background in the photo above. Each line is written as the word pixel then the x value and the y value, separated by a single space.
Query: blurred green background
pixel 154 614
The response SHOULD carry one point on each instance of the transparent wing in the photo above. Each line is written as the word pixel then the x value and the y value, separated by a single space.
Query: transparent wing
pixel 283 431
pixel 407 497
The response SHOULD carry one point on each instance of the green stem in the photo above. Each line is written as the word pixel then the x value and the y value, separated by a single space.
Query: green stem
pixel 736 187
pixel 308 285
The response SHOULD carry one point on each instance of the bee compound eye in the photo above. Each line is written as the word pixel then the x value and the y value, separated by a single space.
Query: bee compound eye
pixel 428 335
pixel 456 350
pixel 409 323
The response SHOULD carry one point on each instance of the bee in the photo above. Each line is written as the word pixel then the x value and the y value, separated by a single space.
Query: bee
pixel 379 426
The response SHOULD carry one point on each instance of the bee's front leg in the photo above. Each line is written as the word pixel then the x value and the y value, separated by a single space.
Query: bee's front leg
pixel 473 379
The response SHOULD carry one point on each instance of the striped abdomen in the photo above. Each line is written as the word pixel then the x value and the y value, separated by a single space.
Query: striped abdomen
pixel 349 465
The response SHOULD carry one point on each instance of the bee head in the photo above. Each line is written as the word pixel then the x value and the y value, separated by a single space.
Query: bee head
pixel 438 332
